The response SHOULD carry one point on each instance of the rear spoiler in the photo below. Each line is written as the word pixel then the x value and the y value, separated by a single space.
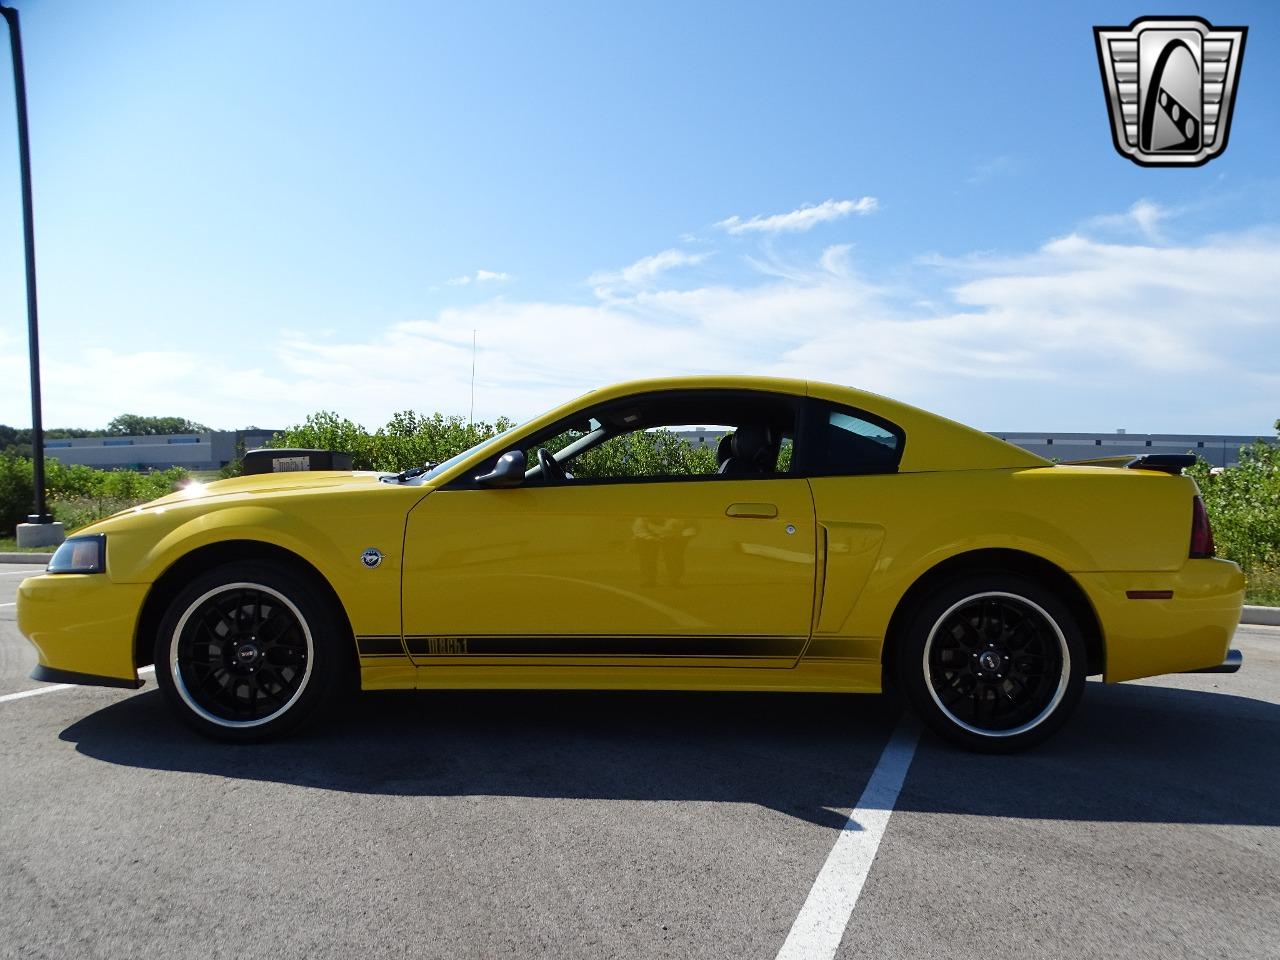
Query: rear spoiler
pixel 1171 463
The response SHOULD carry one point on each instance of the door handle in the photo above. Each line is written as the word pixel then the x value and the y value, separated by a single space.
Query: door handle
pixel 762 511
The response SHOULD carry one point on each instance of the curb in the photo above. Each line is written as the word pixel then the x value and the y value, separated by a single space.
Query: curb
pixel 1269 616
pixel 32 558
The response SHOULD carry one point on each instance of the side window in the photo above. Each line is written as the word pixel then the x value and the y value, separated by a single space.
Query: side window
pixel 850 442
pixel 558 442
pixel 656 452
pixel 670 436
pixel 784 455
pixel 675 451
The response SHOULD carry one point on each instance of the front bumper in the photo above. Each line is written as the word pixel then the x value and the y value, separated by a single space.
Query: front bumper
pixel 82 625
pixel 52 675
pixel 1147 633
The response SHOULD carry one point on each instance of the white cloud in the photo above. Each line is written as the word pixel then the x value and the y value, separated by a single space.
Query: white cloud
pixel 480 276
pixel 1079 333
pixel 805 218
pixel 643 272
pixel 1101 327
pixel 1143 218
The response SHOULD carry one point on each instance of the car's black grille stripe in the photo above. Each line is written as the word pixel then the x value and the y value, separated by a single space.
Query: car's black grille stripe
pixel 595 646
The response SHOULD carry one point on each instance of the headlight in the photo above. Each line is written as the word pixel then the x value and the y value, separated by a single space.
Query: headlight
pixel 80 555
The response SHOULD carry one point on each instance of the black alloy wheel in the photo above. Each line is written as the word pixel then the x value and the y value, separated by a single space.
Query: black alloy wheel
pixel 248 650
pixel 994 662
pixel 242 654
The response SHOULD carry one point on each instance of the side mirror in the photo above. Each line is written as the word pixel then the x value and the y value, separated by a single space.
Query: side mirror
pixel 507 472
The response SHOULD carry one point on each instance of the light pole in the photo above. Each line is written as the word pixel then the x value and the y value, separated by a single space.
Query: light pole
pixel 40 529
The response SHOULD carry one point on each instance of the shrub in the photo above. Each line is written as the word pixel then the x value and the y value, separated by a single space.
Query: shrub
pixel 1264 586
pixel 80 495
pixel 77 495
pixel 16 492
pixel 1243 503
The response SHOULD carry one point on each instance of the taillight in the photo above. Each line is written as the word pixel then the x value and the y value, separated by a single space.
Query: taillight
pixel 1201 532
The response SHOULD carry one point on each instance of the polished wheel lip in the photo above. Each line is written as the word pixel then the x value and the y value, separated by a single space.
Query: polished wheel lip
pixel 1058 694
pixel 176 673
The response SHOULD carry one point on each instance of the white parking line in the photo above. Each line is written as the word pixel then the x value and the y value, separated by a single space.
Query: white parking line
pixel 36 692
pixel 54 688
pixel 818 928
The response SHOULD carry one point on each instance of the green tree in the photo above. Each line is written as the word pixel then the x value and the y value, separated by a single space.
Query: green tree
pixel 326 430
pixel 133 425
pixel 408 440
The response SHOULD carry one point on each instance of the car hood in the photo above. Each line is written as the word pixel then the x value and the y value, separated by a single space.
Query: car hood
pixel 269 483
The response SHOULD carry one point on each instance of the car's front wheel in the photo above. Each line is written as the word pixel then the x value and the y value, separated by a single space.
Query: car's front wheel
pixel 993 662
pixel 248 650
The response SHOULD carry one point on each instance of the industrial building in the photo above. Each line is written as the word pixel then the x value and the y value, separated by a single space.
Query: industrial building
pixel 1220 451
pixel 192 451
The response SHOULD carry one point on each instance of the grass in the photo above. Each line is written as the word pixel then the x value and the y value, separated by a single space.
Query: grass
pixel 10 545
pixel 1263 587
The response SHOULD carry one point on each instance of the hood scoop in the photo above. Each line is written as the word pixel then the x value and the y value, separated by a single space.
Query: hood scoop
pixel 268 460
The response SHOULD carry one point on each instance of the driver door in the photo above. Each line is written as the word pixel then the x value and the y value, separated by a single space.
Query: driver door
pixel 705 571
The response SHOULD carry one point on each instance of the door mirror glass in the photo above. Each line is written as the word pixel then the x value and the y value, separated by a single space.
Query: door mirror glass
pixel 507 472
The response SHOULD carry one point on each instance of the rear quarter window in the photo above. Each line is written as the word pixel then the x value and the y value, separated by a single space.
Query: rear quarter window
pixel 846 441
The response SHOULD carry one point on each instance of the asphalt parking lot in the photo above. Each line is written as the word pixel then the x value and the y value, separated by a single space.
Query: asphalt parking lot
pixel 635 825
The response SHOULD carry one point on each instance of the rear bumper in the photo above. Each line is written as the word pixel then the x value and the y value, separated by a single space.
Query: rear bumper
pixel 82 627
pixel 1146 632
pixel 1233 662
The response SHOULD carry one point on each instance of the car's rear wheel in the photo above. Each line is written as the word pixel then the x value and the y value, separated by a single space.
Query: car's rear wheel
pixel 993 662
pixel 248 650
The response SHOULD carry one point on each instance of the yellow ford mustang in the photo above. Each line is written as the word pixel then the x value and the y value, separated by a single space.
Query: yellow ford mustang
pixel 840 541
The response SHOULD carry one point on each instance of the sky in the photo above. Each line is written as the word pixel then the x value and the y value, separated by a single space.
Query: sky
pixel 246 212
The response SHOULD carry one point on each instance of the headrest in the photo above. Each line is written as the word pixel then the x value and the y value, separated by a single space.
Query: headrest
pixel 753 444
pixel 724 450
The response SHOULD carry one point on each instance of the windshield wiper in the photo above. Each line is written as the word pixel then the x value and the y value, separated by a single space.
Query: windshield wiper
pixel 415 471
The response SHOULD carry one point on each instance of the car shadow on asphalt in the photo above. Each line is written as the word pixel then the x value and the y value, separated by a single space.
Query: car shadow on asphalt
pixel 1131 753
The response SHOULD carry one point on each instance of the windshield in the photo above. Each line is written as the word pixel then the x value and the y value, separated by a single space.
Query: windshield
pixel 456 459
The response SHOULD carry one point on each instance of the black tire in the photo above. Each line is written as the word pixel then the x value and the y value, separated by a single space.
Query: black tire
pixel 993 662
pixel 249 650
